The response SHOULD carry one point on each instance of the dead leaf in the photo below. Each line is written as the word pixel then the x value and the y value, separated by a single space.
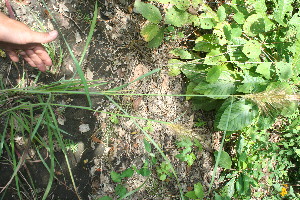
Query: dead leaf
pixel 89 74
pixel 83 128
pixel 97 140
pixel 77 37
pixel 136 103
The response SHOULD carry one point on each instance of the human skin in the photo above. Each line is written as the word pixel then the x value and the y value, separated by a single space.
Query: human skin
pixel 17 38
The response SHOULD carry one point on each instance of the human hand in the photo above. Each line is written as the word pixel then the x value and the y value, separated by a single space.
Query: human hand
pixel 16 38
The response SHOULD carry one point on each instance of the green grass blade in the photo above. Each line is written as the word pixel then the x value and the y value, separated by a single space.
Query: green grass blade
pixel 77 65
pixel 62 145
pixel 51 170
pixel 139 78
pixel 219 152
pixel 90 35
pixel 3 137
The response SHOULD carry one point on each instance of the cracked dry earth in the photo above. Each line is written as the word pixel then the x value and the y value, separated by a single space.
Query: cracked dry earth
pixel 118 55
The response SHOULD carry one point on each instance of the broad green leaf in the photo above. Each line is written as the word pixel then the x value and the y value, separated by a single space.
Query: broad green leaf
pixel 265 122
pixel 264 69
pixel 195 20
pixel 120 190
pixel 296 57
pixel 221 13
pixel 221 110
pixel 252 49
pixel 238 116
pixel 127 173
pixel 182 53
pixel 157 40
pixel 198 188
pixel 297 151
pixel 144 171
pixel 282 8
pixel 215 57
pixel 206 43
pixel 220 89
pixel 149 11
pixel 147 146
pixel 193 72
pixel 252 84
pixel 176 17
pixel 190 90
pixel 284 70
pixel 239 184
pixel 215 72
pixel 206 22
pixel 295 21
pixel 181 4
pixel 191 195
pixel 259 5
pixel 149 31
pixel 256 24
pixel 115 177
pixel 236 53
pixel 174 67
pixel 239 18
pixel 205 103
pixel 230 188
pixel 190 158
pixel 225 159
pixel 219 32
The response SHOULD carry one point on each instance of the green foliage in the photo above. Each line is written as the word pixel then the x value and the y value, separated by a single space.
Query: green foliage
pixel 150 12
pixel 241 57
pixel 164 170
pixel 245 64
pixel 117 177
pixel 197 193
pixel 186 154
pixel 225 159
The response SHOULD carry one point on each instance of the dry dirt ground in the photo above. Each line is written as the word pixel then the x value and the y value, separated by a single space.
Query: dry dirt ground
pixel 118 55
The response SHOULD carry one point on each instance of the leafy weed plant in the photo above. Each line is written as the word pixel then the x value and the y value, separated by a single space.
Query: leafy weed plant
pixel 242 61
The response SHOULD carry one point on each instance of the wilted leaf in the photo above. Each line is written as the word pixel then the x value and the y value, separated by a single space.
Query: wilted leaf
pixel 157 40
pixel 149 31
pixel 174 67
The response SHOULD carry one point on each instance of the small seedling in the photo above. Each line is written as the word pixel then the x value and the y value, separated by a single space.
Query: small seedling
pixel 114 119
pixel 164 170
pixel 186 154
pixel 70 145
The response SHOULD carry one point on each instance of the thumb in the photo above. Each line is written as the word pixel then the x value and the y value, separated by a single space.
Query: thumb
pixel 38 37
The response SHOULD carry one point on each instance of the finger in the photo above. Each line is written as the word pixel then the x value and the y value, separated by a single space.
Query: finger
pixel 13 56
pixel 38 37
pixel 27 59
pixel 43 55
pixel 36 60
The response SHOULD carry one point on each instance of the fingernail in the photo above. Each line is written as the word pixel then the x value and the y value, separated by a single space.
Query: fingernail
pixel 53 33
